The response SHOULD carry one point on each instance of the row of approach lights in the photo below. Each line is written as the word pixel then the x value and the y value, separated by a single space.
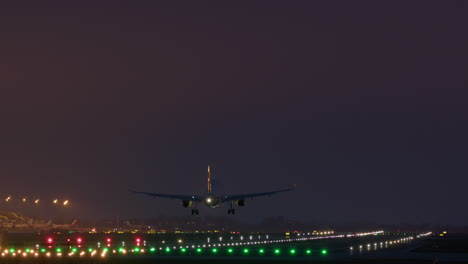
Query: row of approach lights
pixel 392 242
pixel 91 252
pixel 37 200
pixel 138 242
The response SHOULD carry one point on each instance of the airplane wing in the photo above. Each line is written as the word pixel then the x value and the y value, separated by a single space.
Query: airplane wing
pixel 194 198
pixel 227 198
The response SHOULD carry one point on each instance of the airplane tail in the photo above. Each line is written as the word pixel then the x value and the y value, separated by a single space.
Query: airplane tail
pixel 210 184
pixel 73 223
pixel 213 184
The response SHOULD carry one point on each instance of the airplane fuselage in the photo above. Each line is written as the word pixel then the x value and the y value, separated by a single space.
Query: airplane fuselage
pixel 211 201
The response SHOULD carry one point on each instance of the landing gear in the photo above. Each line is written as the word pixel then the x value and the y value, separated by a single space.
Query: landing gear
pixel 194 209
pixel 231 210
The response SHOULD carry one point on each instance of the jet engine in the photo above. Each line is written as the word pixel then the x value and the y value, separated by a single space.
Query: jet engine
pixel 240 202
pixel 187 203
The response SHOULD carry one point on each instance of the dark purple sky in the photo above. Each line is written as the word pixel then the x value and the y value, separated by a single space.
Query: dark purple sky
pixel 362 104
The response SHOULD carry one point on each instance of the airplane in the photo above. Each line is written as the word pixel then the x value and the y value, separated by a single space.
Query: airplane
pixel 30 225
pixel 212 199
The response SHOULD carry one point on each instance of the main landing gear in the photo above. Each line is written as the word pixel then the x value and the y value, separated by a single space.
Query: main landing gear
pixel 231 210
pixel 194 209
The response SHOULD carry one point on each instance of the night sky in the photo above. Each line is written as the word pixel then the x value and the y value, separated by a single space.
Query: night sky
pixel 361 104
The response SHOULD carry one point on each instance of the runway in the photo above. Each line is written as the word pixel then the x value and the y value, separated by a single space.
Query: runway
pixel 258 247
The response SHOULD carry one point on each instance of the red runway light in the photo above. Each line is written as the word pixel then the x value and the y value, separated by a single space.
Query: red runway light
pixel 50 240
pixel 79 240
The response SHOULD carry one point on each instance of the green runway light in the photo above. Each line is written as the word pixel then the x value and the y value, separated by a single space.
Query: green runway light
pixel 261 251
pixel 27 250
pixel 74 250
pixel 137 249
pixel 308 252
pixel 12 250
pixel 324 252
pixel 214 250
pixel 246 251
pixel 90 250
pixel 292 251
pixel 168 250
pixel 58 250
pixel 230 250
pixel 152 249
pixel 277 251
pixel 183 250
pixel 43 250
pixel 121 249
pixel 199 250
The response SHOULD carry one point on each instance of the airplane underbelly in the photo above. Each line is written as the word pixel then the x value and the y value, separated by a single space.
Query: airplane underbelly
pixel 213 205
pixel 212 202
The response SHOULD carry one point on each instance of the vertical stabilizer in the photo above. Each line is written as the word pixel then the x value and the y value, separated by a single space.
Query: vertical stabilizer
pixel 210 189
